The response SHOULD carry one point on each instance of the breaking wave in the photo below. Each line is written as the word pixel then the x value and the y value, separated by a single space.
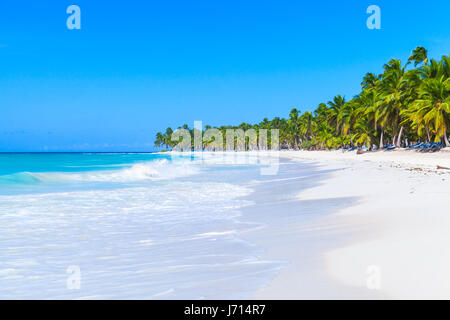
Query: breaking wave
pixel 151 170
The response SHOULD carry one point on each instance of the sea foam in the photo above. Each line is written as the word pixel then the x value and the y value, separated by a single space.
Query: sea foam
pixel 151 170
pixel 150 229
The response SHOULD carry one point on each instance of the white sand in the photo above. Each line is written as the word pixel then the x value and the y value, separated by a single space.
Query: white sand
pixel 397 236
pixel 391 240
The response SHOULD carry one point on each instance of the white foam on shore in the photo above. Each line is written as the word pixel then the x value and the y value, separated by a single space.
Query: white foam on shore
pixel 151 170
pixel 171 239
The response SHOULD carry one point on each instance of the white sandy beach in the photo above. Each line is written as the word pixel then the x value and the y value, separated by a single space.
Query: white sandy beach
pixel 325 225
pixel 393 242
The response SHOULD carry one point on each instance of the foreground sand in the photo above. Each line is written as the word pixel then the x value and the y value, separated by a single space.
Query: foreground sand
pixel 398 232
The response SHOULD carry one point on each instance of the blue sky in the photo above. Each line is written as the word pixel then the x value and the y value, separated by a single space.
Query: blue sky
pixel 136 67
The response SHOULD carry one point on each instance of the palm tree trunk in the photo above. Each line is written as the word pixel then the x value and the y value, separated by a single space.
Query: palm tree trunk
pixel 381 140
pixel 399 137
pixel 447 144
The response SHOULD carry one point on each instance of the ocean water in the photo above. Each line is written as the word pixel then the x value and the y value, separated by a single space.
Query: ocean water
pixel 126 226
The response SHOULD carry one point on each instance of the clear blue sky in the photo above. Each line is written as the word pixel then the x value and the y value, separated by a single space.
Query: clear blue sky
pixel 136 67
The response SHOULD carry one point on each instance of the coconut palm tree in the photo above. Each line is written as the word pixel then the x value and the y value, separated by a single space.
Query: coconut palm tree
pixel 401 102
pixel 159 140
pixel 433 106
pixel 306 121
pixel 294 127
pixel 418 56
pixel 168 138
pixel 336 108
pixel 394 90
pixel 445 62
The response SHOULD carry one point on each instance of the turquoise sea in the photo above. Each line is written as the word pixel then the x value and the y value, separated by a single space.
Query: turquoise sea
pixel 147 226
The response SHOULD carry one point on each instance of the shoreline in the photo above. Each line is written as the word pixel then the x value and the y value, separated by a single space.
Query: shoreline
pixel 402 157
pixel 386 220
pixel 317 228
pixel 296 232
pixel 396 232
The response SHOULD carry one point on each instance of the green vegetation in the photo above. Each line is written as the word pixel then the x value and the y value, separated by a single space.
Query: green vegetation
pixel 403 105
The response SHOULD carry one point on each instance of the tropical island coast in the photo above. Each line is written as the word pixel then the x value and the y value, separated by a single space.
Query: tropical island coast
pixel 407 105
pixel 397 227
pixel 387 151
